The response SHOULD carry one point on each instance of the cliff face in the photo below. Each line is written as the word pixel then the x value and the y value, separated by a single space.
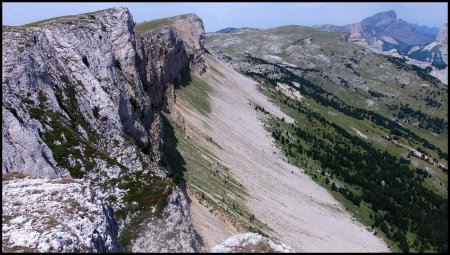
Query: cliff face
pixel 442 36
pixel 190 29
pixel 385 24
pixel 355 33
pixel 83 97
pixel 95 73
pixel 383 31
pixel 442 43
pixel 405 34
pixel 74 68
pixel 374 26
pixel 435 53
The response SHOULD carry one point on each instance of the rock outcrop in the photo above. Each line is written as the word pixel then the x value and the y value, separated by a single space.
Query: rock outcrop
pixel 442 41
pixel 190 29
pixel 385 27
pixel 383 31
pixel 442 36
pixel 436 52
pixel 174 233
pixel 94 72
pixel 59 215
pixel 250 243
pixel 373 27
pixel 83 97
pixel 355 33
pixel 84 70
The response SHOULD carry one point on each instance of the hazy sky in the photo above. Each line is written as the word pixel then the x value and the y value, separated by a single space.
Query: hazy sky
pixel 220 15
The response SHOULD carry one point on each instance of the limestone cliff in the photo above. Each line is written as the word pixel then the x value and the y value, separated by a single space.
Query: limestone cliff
pixel 436 52
pixel 383 32
pixel 83 97
pixel 442 41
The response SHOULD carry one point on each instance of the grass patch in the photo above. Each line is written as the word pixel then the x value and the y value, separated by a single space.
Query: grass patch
pixel 18 249
pixel 65 181
pixel 13 175
pixel 65 142
pixel 143 27
pixel 196 93
pixel 27 100
pixel 131 231
pixel 145 191
pixel 69 19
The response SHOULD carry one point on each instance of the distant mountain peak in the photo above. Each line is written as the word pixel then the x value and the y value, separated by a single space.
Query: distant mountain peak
pixel 381 19
pixel 390 13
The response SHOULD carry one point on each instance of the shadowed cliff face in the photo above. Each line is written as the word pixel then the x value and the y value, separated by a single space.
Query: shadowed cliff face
pixel 83 97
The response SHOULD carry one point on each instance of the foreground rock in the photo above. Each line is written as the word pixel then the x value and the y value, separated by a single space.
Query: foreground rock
pixel 250 242
pixel 172 233
pixel 59 215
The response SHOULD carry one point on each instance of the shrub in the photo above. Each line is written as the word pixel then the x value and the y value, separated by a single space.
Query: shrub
pixel 162 163
pixel 85 61
pixel 64 79
pixel 90 165
pixel 26 100
pixel 134 103
pixel 13 111
pixel 95 111
pixel 36 113
pixel 118 65
pixel 42 98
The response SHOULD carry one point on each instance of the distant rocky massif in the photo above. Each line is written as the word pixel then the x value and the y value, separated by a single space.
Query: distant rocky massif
pixel 384 32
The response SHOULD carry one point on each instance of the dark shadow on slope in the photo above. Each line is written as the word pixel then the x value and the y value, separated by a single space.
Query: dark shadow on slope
pixel 171 156
pixel 176 163
pixel 185 78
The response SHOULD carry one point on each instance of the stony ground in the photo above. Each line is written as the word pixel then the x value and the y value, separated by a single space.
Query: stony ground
pixel 212 227
pixel 54 215
pixel 250 242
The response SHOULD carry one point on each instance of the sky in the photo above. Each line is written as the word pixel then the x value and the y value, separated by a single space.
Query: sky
pixel 220 15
